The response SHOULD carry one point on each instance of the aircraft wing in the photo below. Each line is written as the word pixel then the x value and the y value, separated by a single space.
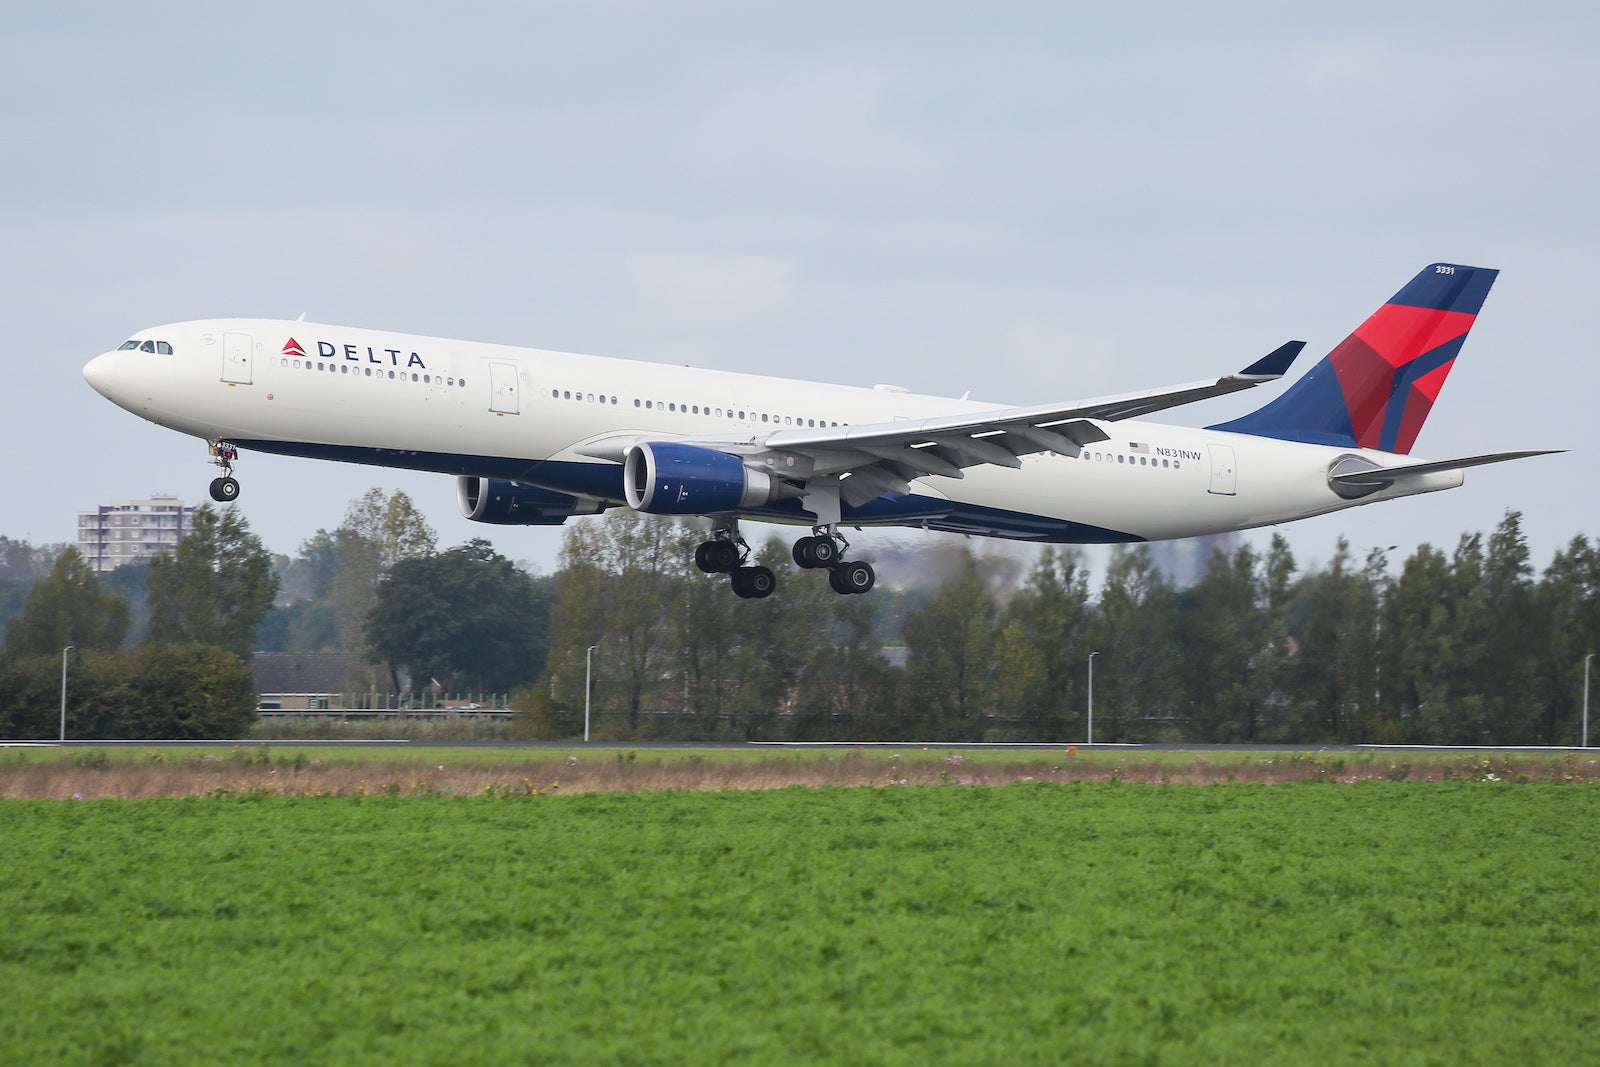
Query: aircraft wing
pixel 885 457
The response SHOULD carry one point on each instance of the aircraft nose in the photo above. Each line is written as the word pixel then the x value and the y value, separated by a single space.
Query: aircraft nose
pixel 98 372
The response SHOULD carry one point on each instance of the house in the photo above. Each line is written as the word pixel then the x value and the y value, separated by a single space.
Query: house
pixel 318 681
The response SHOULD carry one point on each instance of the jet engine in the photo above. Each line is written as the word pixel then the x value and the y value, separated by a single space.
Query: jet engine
pixel 507 503
pixel 666 478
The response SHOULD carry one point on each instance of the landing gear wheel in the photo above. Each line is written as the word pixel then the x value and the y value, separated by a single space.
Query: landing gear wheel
pixel 855 577
pixel 716 557
pixel 816 551
pixel 224 490
pixel 754 583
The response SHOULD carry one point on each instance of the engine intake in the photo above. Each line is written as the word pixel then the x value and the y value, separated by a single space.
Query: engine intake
pixel 507 503
pixel 665 478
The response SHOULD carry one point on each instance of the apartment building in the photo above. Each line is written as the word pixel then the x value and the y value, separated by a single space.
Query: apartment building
pixel 127 531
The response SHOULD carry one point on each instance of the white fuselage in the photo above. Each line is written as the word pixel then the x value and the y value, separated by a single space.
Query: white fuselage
pixel 467 408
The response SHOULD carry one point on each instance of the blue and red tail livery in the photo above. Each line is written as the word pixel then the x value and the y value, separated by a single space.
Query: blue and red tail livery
pixel 1375 389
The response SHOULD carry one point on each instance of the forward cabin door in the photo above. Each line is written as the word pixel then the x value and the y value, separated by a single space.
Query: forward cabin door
pixel 237 349
pixel 1223 479
pixel 503 388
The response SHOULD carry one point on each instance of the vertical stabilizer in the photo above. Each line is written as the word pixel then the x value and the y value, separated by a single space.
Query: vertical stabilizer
pixel 1376 388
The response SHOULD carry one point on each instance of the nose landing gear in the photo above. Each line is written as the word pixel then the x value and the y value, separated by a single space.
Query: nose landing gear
pixel 226 488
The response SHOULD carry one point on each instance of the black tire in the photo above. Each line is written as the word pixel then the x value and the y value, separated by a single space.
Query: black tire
pixel 854 577
pixel 723 556
pixel 702 557
pixel 224 490
pixel 803 556
pixel 836 581
pixel 824 552
pixel 753 583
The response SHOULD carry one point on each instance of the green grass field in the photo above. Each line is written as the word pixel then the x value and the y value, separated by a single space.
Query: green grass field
pixel 1108 923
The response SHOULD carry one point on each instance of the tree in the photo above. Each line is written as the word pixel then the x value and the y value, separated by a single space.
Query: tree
pixel 1042 646
pixel 620 588
pixel 467 617
pixel 68 608
pixel 1334 670
pixel 951 643
pixel 378 531
pixel 216 588
pixel 1227 649
pixel 1133 626
pixel 1569 614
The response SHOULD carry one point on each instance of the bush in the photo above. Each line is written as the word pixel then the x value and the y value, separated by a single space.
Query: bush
pixel 174 692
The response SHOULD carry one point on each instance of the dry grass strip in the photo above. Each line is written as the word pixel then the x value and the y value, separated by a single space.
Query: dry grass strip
pixel 93 776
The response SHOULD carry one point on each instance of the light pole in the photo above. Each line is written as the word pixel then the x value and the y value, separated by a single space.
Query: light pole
pixel 588 660
pixel 64 652
pixel 1586 660
pixel 1092 655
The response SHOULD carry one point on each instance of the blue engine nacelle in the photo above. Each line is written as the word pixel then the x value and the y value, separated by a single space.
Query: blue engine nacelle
pixel 665 478
pixel 506 503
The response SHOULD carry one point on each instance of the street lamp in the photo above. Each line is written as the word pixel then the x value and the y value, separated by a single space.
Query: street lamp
pixel 64 652
pixel 1092 655
pixel 1586 660
pixel 588 660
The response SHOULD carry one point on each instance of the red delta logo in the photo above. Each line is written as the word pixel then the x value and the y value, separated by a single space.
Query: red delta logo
pixel 356 354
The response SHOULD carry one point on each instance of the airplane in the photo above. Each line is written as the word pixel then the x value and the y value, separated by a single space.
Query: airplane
pixel 536 437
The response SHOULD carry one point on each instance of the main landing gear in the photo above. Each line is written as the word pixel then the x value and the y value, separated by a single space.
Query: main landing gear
pixel 726 553
pixel 226 488
pixel 823 549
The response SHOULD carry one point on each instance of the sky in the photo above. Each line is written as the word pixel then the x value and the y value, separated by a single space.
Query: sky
pixel 1031 201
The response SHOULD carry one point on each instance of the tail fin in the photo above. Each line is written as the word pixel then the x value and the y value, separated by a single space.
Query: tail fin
pixel 1375 389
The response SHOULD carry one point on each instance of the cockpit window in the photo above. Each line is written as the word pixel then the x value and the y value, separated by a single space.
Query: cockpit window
pixel 162 348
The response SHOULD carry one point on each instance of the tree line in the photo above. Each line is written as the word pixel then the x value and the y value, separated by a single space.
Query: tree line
pixel 1466 647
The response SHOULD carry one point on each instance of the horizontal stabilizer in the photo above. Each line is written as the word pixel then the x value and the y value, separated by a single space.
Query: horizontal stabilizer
pixel 1373 479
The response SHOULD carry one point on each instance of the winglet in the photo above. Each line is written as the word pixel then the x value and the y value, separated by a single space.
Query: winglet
pixel 1275 364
